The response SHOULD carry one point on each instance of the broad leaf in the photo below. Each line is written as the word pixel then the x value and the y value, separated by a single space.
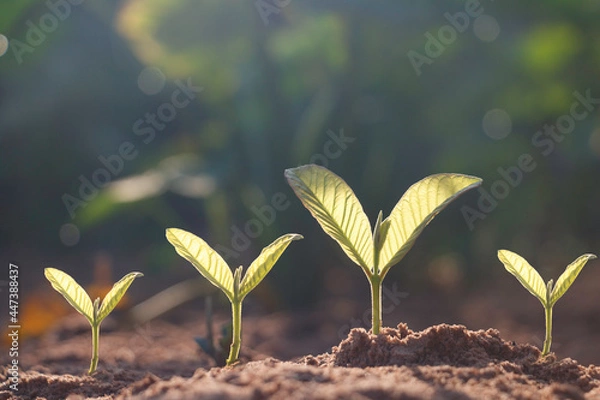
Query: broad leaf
pixel 567 278
pixel 335 207
pixel 207 261
pixel 115 295
pixel 71 291
pixel 525 273
pixel 417 207
pixel 265 262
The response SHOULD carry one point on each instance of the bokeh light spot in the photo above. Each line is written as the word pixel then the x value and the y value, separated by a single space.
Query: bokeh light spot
pixel 151 80
pixel 69 234
pixel 3 45
pixel 595 142
pixel 497 124
pixel 486 28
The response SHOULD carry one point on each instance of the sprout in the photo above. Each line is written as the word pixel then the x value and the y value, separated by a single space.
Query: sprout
pixel 548 294
pixel 80 300
pixel 212 266
pixel 335 207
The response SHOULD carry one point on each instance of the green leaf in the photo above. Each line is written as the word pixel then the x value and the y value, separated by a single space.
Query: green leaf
pixel 525 273
pixel 417 207
pixel 237 283
pixel 335 207
pixel 377 237
pixel 207 261
pixel 115 295
pixel 71 291
pixel 265 262
pixel 377 228
pixel 567 278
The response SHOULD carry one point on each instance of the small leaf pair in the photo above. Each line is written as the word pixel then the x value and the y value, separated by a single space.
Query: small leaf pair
pixel 547 293
pixel 212 266
pixel 94 312
pixel 336 208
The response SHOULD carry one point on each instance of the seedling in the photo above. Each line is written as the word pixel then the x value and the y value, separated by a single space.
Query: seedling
pixel 212 266
pixel 335 207
pixel 80 300
pixel 549 293
pixel 217 351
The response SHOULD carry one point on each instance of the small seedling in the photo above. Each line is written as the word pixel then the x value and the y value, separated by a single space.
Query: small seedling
pixel 212 266
pixel 549 293
pixel 218 350
pixel 335 207
pixel 80 300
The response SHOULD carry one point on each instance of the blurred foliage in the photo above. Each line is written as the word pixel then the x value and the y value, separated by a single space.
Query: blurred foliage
pixel 275 89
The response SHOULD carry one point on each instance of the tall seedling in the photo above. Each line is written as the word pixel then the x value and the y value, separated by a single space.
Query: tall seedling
pixel 212 266
pixel 549 293
pixel 335 207
pixel 94 312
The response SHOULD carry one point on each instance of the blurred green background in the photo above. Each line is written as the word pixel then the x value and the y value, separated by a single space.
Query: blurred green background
pixel 119 119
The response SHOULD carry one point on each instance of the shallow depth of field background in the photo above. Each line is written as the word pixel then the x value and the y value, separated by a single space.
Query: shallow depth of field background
pixel 383 93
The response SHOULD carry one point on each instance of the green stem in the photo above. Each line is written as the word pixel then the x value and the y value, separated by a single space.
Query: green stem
pixel 375 282
pixel 548 339
pixel 236 334
pixel 95 340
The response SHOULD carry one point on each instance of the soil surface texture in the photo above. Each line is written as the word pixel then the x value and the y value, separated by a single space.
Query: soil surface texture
pixel 440 362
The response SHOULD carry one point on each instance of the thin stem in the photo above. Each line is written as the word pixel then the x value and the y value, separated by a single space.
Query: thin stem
pixel 95 345
pixel 548 339
pixel 236 334
pixel 375 282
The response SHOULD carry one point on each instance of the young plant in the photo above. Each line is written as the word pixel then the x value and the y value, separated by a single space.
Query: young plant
pixel 549 293
pixel 335 207
pixel 80 300
pixel 212 266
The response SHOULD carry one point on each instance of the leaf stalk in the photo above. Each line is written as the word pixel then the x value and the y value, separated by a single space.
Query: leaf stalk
pixel 236 340
pixel 548 315
pixel 375 282
pixel 548 338
pixel 95 346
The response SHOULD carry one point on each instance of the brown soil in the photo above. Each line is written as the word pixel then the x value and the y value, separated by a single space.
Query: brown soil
pixel 159 361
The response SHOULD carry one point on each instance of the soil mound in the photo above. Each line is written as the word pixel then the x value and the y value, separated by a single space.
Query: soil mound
pixel 438 345
pixel 455 345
